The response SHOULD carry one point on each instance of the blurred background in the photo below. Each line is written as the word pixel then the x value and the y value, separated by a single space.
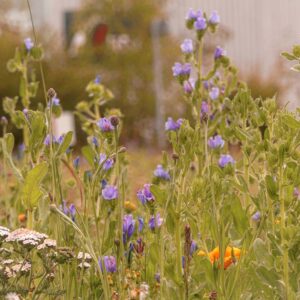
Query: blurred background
pixel 133 44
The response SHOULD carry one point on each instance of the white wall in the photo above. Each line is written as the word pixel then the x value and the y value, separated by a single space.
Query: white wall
pixel 260 29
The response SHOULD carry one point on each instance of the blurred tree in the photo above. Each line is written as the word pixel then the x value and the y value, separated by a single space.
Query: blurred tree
pixel 119 46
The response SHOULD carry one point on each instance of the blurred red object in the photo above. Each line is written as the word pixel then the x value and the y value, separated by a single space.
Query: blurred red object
pixel 99 35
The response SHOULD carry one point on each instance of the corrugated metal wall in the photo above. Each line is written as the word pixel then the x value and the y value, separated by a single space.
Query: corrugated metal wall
pixel 260 29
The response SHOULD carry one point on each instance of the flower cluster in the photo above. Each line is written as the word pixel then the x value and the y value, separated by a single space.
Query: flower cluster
pixel 105 125
pixel 107 163
pixel 172 125
pixel 145 195
pixel 160 172
pixel 26 237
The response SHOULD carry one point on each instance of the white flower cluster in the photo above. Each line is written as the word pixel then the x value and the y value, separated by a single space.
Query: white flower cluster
pixel 12 296
pixel 144 290
pixel 47 244
pixel 4 232
pixel 26 237
pixel 85 260
pixel 9 270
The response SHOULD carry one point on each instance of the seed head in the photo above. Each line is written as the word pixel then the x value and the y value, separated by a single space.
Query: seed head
pixel 51 93
pixel 114 120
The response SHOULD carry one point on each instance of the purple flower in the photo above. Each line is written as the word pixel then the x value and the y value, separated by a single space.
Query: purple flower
pixel 206 84
pixel 216 142
pixel 187 46
pixel 97 79
pixel 256 217
pixel 110 192
pixel 25 112
pixel 103 183
pixel 145 195
pixel 200 24
pixel 193 248
pixel 214 18
pixel 108 163
pixel 72 210
pixel 60 139
pixel 219 52
pixel 128 227
pixel 28 44
pixel 47 140
pixel 110 264
pixel 95 141
pixel 204 107
pixel 226 159
pixel 171 125
pixel 68 211
pixel 189 85
pixel 105 125
pixel 181 69
pixel 55 102
pixel 21 147
pixel 157 277
pixel 141 224
pixel 76 162
pixel 193 15
pixel 155 222
pixel 214 93
pixel 64 208
pixel 4 119
pixel 160 172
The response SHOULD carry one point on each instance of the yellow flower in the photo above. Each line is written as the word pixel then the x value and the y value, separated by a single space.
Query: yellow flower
pixel 130 206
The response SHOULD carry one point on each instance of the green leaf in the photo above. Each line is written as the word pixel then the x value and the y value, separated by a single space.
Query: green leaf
pixel 88 154
pixel 11 66
pixel 240 219
pixel 65 143
pixel 296 51
pixel 31 192
pixel 159 194
pixel 36 53
pixel 9 142
pixel 263 257
pixel 9 105
pixel 242 135
pixel 38 132
pixel 296 68
pixel 269 277
pixel 271 187
pixel 22 87
pixel 288 56
pixel 290 121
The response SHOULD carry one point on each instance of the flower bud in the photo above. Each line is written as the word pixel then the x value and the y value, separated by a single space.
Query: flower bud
pixel 51 93
pixel 213 295
pixel 122 150
pixel 175 156
pixel 4 121
pixel 22 218
pixel 114 120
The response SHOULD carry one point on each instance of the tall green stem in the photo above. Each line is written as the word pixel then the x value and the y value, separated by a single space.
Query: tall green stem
pixel 282 230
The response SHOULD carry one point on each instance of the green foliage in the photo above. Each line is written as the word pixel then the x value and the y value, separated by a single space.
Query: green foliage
pixel 213 223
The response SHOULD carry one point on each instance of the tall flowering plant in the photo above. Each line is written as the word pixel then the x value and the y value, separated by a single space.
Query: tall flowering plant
pixel 211 223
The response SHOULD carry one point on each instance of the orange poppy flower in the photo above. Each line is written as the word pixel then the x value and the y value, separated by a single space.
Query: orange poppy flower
pixel 231 255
